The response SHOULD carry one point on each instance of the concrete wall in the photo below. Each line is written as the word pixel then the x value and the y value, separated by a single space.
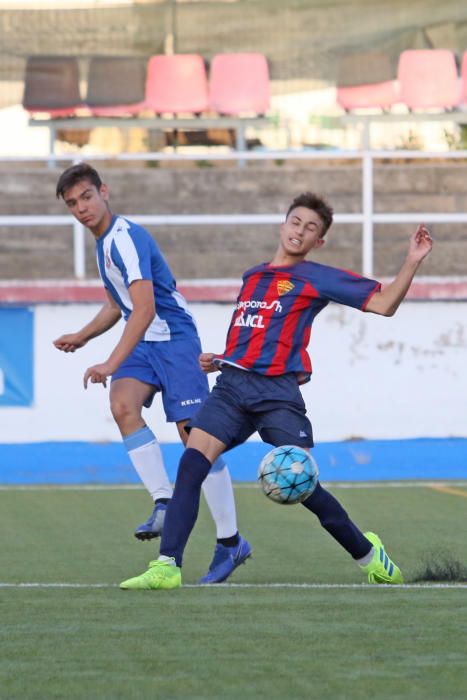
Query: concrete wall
pixel 374 378
pixel 226 251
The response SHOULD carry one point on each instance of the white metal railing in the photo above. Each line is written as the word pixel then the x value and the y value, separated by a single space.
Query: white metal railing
pixel 368 218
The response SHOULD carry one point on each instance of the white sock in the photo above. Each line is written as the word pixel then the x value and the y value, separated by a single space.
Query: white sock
pixel 166 560
pixel 146 456
pixel 219 495
pixel 367 558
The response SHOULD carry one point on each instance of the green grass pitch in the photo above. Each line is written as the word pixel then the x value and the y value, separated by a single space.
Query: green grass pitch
pixel 237 642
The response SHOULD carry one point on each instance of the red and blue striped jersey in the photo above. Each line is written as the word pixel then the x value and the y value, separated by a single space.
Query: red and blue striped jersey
pixel 271 325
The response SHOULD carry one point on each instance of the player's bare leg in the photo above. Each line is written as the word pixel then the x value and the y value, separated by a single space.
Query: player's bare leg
pixel 127 398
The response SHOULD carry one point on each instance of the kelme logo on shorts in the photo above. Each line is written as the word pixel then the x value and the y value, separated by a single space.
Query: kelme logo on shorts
pixel 284 286
pixel 190 402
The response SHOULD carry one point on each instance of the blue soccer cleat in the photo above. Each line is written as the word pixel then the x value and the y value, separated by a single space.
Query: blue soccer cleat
pixel 154 524
pixel 226 560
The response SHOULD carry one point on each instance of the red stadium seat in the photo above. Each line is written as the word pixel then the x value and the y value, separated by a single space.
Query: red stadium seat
pixel 116 85
pixel 239 83
pixel 51 85
pixel 365 81
pixel 464 77
pixel 177 84
pixel 378 95
pixel 428 79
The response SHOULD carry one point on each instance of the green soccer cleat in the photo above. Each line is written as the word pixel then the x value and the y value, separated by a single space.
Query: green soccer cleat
pixel 381 568
pixel 160 574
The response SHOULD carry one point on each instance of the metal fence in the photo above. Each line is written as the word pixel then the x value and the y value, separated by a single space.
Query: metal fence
pixel 367 217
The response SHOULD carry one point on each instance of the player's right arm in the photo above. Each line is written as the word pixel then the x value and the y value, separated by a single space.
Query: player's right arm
pixel 106 317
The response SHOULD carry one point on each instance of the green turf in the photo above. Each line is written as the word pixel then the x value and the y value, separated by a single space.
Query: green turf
pixel 228 642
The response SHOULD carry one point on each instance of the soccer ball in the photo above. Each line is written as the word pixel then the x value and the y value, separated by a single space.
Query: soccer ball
pixel 288 474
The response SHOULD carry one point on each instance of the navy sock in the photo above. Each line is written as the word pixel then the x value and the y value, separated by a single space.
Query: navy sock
pixel 182 509
pixel 335 520
pixel 229 541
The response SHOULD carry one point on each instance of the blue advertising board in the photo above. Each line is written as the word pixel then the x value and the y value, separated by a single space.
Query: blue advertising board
pixel 428 459
pixel 16 356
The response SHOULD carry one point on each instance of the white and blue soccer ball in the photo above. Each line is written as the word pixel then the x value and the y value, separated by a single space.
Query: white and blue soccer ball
pixel 288 474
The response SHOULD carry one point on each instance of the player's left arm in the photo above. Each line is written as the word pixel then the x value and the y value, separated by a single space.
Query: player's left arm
pixel 144 309
pixel 387 301
pixel 206 362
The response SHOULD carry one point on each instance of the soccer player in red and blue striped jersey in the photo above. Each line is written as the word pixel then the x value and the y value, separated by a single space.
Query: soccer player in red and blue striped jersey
pixel 264 362
pixel 271 326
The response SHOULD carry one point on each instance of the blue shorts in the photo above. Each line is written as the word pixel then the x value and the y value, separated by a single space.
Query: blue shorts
pixel 171 367
pixel 242 402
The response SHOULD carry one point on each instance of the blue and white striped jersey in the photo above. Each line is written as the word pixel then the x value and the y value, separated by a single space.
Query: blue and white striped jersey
pixel 127 252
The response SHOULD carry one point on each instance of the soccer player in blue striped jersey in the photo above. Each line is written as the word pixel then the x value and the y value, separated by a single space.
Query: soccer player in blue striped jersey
pixel 264 362
pixel 158 351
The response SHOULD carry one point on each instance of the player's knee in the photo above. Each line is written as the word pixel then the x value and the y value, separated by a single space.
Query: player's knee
pixel 193 467
pixel 122 410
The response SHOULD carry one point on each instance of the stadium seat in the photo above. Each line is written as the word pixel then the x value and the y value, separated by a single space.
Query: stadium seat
pixel 428 79
pixel 177 84
pixel 365 81
pixel 239 84
pixel 373 95
pixel 116 86
pixel 464 78
pixel 51 85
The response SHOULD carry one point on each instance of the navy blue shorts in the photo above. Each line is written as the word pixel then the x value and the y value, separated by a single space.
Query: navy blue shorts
pixel 243 402
pixel 171 367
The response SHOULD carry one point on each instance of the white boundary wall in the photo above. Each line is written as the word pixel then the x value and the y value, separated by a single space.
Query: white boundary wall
pixel 374 377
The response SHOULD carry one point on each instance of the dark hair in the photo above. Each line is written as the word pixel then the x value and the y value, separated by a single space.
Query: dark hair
pixel 75 174
pixel 315 203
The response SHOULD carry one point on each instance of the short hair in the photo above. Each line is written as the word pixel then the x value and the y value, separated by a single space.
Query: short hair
pixel 76 173
pixel 315 203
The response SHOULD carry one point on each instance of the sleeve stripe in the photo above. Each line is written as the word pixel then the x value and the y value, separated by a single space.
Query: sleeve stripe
pixel 129 254
pixel 377 288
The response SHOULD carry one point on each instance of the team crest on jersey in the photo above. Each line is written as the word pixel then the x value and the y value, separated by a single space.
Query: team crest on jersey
pixel 108 261
pixel 284 286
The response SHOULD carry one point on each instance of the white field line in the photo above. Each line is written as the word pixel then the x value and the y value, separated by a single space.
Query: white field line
pixel 237 485
pixel 342 586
